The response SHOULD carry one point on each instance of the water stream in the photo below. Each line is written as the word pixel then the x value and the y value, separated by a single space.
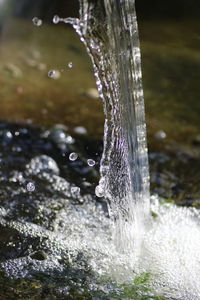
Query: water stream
pixel 109 31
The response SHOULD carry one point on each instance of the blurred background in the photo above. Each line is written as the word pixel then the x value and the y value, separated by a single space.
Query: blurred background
pixel 170 43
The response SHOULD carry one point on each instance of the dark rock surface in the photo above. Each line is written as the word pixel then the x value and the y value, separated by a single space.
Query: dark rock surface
pixel 34 261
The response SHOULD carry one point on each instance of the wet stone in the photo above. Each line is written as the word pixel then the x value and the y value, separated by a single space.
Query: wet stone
pixel 39 188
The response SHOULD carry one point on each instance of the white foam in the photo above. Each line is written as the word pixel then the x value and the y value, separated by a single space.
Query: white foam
pixel 170 248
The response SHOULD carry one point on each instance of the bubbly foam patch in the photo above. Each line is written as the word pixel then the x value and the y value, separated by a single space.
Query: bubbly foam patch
pixel 171 251
pixel 170 248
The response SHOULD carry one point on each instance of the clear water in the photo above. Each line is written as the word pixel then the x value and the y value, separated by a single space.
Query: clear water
pixel 109 31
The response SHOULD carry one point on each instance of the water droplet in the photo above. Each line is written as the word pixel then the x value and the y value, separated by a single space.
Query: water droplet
pixel 70 65
pixel 51 73
pixel 99 191
pixel 8 135
pixel 54 74
pixel 36 21
pixel 56 19
pixel 73 156
pixel 90 162
pixel 30 187
pixel 160 135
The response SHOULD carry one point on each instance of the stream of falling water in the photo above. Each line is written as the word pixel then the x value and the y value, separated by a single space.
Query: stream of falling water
pixel 109 31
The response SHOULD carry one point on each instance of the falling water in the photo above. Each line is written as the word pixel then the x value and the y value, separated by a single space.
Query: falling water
pixel 109 30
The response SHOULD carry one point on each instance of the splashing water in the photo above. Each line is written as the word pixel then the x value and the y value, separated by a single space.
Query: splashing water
pixel 167 246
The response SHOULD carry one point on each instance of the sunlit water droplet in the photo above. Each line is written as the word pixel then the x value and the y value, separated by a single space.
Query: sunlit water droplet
pixel 54 74
pixel 36 21
pixel 7 136
pixel 30 187
pixel 51 73
pixel 160 135
pixel 70 65
pixel 56 19
pixel 73 156
pixel 90 162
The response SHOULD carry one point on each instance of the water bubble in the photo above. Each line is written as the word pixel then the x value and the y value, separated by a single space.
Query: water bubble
pixel 56 19
pixel 70 65
pixel 73 156
pixel 30 187
pixel 36 21
pixel 90 162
